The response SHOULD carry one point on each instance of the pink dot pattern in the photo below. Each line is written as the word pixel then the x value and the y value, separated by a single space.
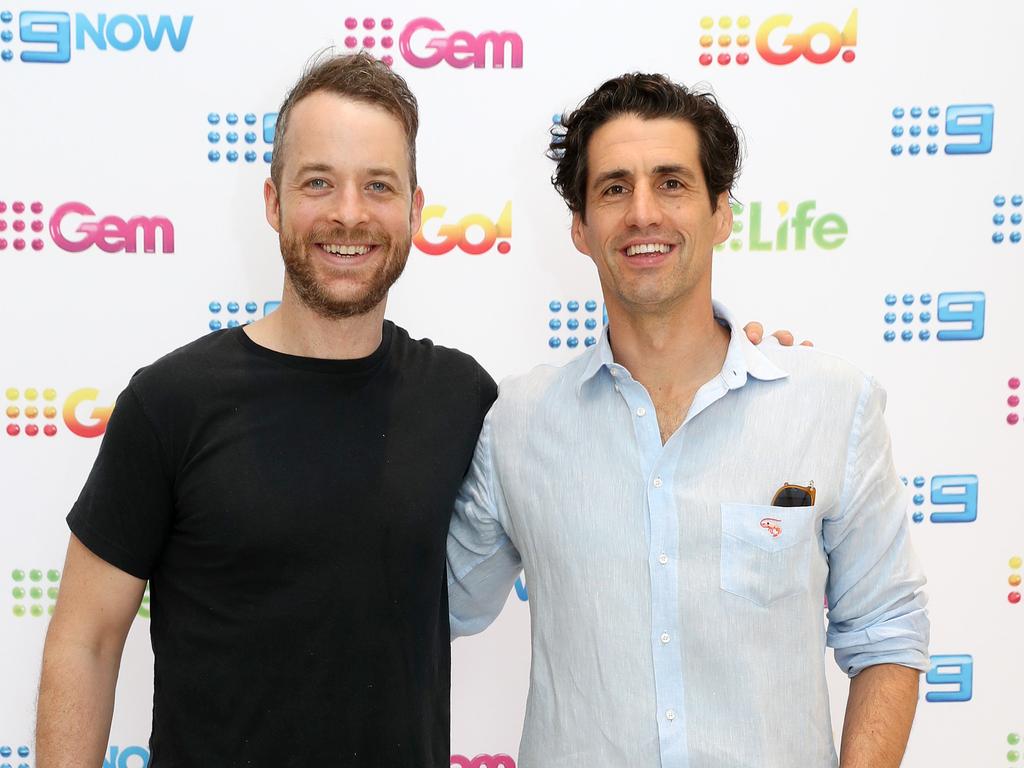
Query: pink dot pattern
pixel 15 220
pixel 1013 401
pixel 20 421
pixel 369 41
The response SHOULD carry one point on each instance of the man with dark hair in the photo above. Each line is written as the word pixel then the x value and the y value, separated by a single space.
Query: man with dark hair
pixel 270 482
pixel 681 500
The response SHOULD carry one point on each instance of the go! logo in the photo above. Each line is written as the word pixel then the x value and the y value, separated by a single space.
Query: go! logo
pixel 776 40
pixel 31 412
pixel 474 233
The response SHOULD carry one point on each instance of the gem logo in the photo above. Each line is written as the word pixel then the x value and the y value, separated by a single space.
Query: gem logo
pixel 1013 418
pixel 23 412
pixel 8 753
pixel 74 228
pixel 482 761
pixel 999 218
pixel 956 671
pixel 49 37
pixel 776 40
pixel 1014 580
pixel 424 43
pixel 753 230
pixel 126 757
pixel 966 120
pixel 238 314
pixel 35 593
pixel 959 491
pixel 246 136
pixel 951 307
pixel 474 233
pixel 573 319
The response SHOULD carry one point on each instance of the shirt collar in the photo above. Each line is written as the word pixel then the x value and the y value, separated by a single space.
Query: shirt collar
pixel 742 359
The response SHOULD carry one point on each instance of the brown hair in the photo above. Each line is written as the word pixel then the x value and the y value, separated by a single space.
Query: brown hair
pixel 359 77
pixel 648 97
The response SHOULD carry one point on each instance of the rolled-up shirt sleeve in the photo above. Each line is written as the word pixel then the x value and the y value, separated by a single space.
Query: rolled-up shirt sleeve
pixel 877 612
pixel 482 562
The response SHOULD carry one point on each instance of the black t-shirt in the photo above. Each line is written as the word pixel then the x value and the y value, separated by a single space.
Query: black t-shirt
pixel 290 514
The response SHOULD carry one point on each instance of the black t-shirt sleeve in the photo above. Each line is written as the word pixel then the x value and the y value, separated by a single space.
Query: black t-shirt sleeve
pixel 487 390
pixel 126 508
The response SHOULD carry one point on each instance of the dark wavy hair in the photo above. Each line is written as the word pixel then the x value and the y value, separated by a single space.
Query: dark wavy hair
pixel 646 96
pixel 359 77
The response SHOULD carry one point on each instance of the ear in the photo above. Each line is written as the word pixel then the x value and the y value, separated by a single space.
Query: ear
pixel 578 226
pixel 272 204
pixel 723 216
pixel 416 211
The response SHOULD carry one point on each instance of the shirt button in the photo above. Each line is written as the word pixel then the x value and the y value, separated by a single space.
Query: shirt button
pixel 615 371
pixel 657 482
pixel 671 714
pixel 665 638
pixel 641 411
pixel 663 558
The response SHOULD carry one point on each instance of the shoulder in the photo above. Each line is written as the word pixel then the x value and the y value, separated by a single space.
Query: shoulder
pixel 824 376
pixel 544 385
pixel 192 364
pixel 441 366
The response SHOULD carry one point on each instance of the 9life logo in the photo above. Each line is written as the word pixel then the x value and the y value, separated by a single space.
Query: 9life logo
pixel 424 43
pixel 756 228
pixel 15 757
pixel 35 594
pixel 951 678
pixel 967 126
pixel 49 37
pixel 31 412
pixel 241 137
pixel 944 492
pixel 572 322
pixel 961 315
pixel 75 227
pixel 232 314
pixel 777 40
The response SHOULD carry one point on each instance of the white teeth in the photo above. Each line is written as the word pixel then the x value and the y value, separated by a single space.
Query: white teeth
pixel 633 250
pixel 345 250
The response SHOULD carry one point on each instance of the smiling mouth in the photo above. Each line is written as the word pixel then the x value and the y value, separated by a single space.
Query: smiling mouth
pixel 347 251
pixel 641 249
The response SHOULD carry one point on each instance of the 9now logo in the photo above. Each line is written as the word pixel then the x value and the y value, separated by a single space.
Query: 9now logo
pixel 50 36
pixel 776 40
pixel 424 43
pixel 474 233
pixel 945 491
pixel 955 675
pixel 75 227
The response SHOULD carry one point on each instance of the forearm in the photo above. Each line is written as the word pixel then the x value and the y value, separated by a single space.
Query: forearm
pixel 879 713
pixel 76 703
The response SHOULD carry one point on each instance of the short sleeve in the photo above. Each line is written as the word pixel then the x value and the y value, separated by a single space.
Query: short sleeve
pixel 125 510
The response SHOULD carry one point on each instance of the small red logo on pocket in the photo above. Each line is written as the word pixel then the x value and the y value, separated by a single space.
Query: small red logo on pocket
pixel 772 525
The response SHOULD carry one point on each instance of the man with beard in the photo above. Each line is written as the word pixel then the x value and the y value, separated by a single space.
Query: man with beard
pixel 285 488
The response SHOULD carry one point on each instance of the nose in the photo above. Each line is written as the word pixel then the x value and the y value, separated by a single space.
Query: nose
pixel 349 207
pixel 644 209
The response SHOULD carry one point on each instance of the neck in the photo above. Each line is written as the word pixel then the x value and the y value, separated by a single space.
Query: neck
pixel 295 329
pixel 678 349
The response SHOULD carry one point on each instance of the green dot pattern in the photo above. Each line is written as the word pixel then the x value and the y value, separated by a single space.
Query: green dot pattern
pixel 35 574
pixel 1013 739
pixel 18 575
pixel 19 593
pixel 53 575
pixel 37 590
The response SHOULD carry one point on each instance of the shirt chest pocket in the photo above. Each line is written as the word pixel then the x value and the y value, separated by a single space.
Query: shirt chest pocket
pixel 766 551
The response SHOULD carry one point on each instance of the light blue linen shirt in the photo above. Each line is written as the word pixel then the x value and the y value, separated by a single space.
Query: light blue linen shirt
pixel 676 616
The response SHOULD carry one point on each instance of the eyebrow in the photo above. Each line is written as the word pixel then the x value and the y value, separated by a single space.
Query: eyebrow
pixel 325 168
pixel 658 170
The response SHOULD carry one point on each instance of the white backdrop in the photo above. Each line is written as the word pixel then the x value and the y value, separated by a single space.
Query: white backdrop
pixel 119 120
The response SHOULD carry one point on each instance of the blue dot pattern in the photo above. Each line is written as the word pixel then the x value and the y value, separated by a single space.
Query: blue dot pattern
pixel 231 314
pixel 251 137
pixel 1009 213
pixel 566 320
pixel 912 129
pixel 907 319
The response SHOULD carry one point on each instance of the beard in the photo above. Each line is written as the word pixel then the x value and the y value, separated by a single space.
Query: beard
pixel 315 293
